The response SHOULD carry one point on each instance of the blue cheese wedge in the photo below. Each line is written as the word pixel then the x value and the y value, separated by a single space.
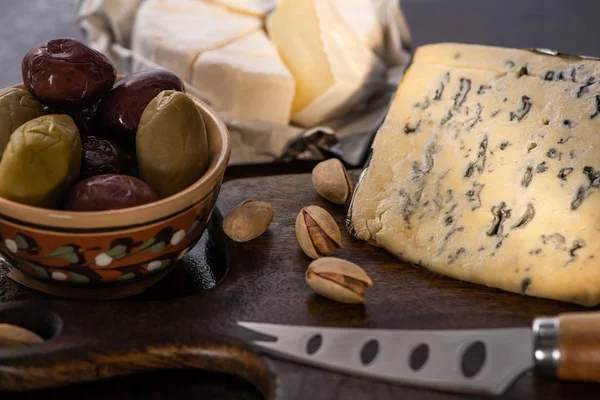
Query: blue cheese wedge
pixel 487 169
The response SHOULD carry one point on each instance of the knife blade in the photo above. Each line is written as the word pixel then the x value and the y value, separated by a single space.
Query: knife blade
pixel 481 361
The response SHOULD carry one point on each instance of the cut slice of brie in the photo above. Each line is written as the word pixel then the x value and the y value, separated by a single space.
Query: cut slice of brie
pixel 333 68
pixel 172 33
pixel 246 80
pixel 257 8
pixel 362 17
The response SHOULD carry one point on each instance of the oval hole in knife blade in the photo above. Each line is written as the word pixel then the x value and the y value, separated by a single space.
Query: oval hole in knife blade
pixel 473 359
pixel 369 352
pixel 314 344
pixel 419 356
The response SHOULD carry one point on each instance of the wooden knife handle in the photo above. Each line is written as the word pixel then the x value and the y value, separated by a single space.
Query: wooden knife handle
pixel 579 346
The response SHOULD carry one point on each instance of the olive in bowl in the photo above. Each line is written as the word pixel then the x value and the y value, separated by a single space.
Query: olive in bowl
pixel 84 119
pixel 109 192
pixel 115 253
pixel 41 160
pixel 171 143
pixel 17 106
pixel 102 156
pixel 121 109
pixel 65 73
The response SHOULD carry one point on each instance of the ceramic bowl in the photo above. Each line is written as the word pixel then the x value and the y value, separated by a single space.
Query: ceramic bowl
pixel 116 253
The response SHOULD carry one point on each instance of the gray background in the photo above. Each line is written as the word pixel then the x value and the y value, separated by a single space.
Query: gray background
pixel 570 26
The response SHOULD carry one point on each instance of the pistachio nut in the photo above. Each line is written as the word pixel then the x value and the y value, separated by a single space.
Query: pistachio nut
pixel 331 181
pixel 338 280
pixel 15 336
pixel 248 220
pixel 317 232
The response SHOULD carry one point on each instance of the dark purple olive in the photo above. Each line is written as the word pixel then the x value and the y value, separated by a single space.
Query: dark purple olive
pixel 66 74
pixel 109 192
pixel 84 119
pixel 102 156
pixel 121 109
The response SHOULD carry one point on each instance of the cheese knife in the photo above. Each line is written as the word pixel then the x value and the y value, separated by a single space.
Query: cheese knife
pixel 483 361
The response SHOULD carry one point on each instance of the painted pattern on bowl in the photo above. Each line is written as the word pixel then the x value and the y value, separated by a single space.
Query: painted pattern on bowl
pixel 102 258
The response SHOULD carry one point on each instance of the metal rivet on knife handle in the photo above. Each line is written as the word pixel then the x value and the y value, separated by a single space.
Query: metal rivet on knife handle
pixel 546 351
pixel 579 346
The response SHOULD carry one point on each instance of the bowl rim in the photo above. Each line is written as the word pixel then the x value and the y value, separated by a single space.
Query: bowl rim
pixel 127 218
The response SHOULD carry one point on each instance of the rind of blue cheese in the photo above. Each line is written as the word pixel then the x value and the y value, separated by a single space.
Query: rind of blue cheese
pixel 487 169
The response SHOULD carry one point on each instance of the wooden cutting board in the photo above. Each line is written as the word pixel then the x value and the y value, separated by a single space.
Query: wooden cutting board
pixel 188 320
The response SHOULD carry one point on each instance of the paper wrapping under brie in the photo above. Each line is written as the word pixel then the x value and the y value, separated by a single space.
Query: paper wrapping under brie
pixel 108 24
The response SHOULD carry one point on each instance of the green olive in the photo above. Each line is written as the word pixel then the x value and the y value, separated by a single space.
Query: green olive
pixel 171 142
pixel 42 159
pixel 17 106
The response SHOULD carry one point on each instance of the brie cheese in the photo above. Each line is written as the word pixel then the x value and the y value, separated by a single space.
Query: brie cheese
pixel 362 17
pixel 257 8
pixel 333 68
pixel 172 33
pixel 246 80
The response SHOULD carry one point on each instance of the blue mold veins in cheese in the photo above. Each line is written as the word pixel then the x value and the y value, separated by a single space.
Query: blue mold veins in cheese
pixel 487 169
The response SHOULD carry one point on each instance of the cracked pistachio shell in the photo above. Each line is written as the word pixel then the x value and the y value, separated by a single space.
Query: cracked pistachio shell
pixel 17 106
pixel 331 289
pixel 15 336
pixel 171 143
pixel 248 220
pixel 42 159
pixel 331 181
pixel 325 222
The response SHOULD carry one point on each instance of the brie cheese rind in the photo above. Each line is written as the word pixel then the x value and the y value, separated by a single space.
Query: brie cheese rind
pixel 173 33
pixel 362 17
pixel 246 80
pixel 257 8
pixel 487 169
pixel 333 68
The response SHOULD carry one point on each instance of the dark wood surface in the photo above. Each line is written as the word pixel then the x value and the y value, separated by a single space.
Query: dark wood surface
pixel 567 25
pixel 179 324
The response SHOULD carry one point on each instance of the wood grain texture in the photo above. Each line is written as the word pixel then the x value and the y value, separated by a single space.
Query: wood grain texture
pixel 265 283
pixel 579 343
pixel 207 355
pixel 184 384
